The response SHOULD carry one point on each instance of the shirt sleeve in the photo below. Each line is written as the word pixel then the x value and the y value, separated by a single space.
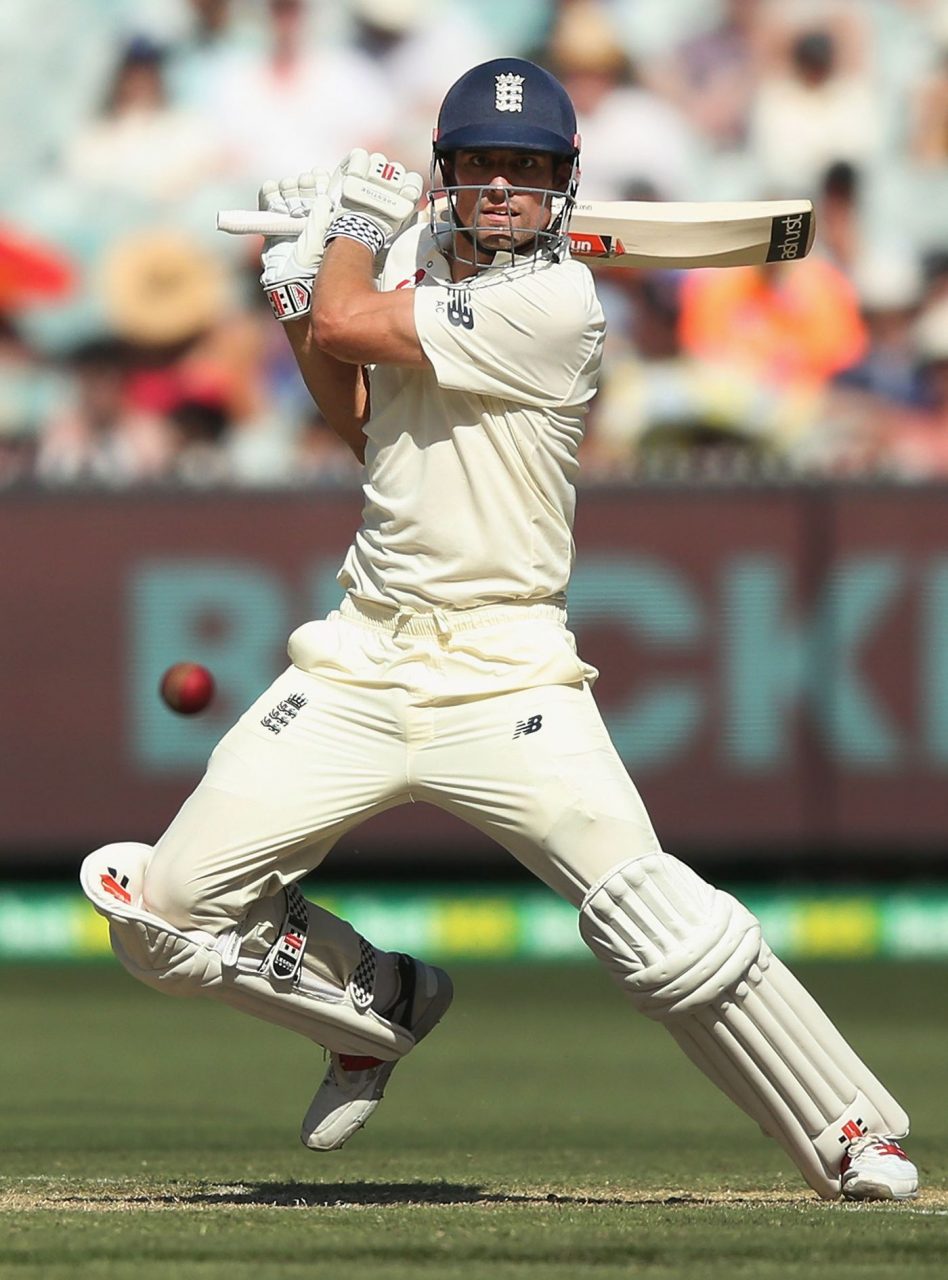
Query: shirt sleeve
pixel 532 337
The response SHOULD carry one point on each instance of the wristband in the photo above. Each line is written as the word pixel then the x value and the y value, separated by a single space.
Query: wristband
pixel 355 226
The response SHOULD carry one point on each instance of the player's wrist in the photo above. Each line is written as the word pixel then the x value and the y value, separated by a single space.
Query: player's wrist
pixel 360 227
pixel 290 299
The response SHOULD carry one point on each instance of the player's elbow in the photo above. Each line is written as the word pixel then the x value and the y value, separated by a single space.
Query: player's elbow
pixel 332 332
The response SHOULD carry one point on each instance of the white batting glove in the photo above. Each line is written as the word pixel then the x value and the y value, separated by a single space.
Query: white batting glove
pixel 377 199
pixel 290 263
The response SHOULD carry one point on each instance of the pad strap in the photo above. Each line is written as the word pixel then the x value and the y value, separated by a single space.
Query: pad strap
pixel 282 962
pixel 361 985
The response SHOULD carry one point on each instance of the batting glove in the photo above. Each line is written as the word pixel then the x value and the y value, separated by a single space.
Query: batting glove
pixel 290 263
pixel 377 198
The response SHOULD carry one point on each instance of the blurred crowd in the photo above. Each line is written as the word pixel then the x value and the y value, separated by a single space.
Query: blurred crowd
pixel 135 344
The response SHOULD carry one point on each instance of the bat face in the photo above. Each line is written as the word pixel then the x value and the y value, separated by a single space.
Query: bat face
pixel 680 234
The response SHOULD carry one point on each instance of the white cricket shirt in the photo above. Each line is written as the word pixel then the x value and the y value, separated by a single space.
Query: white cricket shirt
pixel 469 496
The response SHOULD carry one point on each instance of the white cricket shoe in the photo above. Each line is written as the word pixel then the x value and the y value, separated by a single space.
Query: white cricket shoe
pixel 876 1168
pixel 353 1086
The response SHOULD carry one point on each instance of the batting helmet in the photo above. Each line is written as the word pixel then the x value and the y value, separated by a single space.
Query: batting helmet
pixel 505 104
pixel 508 102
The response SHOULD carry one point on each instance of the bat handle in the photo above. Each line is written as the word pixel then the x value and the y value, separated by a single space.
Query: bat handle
pixel 258 222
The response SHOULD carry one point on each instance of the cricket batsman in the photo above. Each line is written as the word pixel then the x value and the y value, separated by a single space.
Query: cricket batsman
pixel 457 356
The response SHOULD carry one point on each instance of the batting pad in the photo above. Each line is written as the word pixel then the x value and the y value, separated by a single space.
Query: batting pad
pixel 692 957
pixel 192 962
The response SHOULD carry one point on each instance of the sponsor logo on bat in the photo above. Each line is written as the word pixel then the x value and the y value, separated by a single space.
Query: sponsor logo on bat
pixel 593 246
pixel 789 237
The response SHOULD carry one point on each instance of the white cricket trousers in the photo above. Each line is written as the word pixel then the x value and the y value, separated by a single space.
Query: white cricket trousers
pixel 486 713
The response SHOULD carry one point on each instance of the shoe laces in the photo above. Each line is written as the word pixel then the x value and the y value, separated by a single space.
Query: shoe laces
pixel 876 1143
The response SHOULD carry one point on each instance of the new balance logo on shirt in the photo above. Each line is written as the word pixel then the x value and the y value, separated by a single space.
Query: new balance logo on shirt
pixel 460 311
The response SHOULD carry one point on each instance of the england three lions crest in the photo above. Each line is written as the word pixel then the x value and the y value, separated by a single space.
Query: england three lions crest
pixel 509 93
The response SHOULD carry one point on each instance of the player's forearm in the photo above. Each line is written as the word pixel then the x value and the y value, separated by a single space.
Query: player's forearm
pixel 338 388
pixel 355 323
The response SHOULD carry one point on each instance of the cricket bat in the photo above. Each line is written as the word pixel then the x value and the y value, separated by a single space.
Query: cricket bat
pixel 644 233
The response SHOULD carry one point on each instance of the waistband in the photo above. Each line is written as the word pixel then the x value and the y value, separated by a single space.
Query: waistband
pixel 407 620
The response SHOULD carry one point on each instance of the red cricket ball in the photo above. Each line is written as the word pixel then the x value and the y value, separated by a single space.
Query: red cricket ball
pixel 187 687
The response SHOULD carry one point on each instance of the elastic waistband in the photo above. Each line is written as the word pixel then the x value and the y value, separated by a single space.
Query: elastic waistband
pixel 408 620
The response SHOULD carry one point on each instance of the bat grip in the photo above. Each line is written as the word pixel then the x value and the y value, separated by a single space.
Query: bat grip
pixel 250 222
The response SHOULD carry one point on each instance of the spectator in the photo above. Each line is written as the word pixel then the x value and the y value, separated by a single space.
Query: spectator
pixel 141 146
pixel 816 106
pixel 889 282
pixel 711 77
pixel 796 323
pixel 161 288
pixel 664 410
pixel 703 99
pixel 839 215
pixel 935 273
pixel 417 49
pixel 32 273
pixel 98 438
pixel 630 135
pixel 517 28
pixel 199 55
pixel 296 106
pixel 199 416
pixel 30 392
pixel 914 443
pixel 928 140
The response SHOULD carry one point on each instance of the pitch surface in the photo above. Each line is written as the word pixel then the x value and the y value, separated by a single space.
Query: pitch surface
pixel 545 1130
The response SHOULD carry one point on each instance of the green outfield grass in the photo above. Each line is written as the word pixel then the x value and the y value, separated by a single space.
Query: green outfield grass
pixel 543 1131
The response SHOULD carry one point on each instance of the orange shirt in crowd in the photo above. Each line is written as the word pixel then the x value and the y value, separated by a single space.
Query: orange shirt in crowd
pixel 798 322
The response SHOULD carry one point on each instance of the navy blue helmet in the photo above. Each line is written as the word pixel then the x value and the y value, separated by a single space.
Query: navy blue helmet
pixel 507 102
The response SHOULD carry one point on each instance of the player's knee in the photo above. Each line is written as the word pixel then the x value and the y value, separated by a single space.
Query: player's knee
pixel 151 948
pixel 183 902
pixel 671 939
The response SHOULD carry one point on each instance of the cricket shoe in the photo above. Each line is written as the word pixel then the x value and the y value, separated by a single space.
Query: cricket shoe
pixel 353 1086
pixel 876 1168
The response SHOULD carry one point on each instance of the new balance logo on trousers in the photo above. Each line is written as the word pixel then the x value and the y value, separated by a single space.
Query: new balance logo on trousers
pixel 533 725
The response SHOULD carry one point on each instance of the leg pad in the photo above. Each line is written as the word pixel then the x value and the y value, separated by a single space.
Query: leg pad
pixel 193 962
pixel 692 957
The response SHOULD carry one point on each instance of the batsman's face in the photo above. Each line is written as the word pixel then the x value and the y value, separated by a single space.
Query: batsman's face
pixel 504 196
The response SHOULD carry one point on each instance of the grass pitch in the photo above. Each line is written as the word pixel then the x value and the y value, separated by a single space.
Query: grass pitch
pixel 545 1130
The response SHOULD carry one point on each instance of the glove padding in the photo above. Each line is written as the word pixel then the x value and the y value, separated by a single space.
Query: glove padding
pixel 290 263
pixel 377 198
